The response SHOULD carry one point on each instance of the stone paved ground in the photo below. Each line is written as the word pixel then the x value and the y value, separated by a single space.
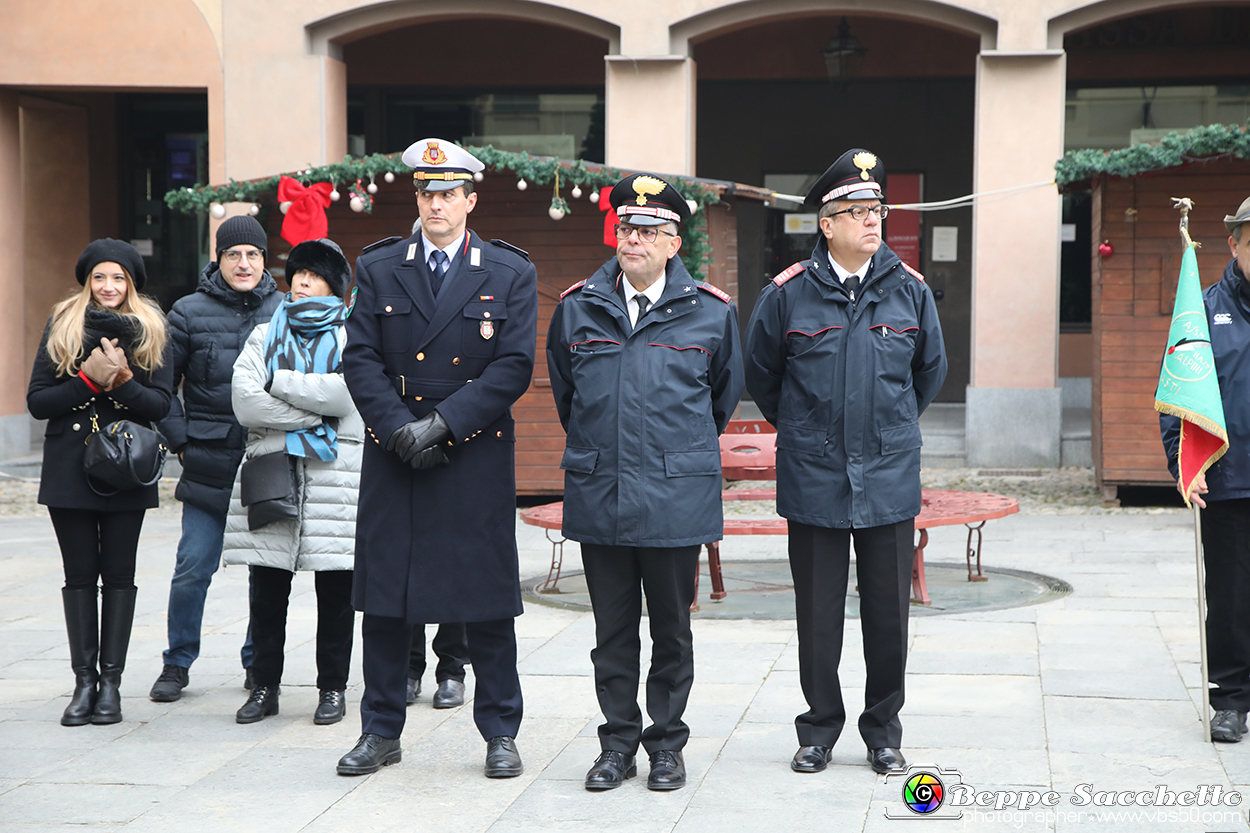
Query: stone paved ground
pixel 1098 689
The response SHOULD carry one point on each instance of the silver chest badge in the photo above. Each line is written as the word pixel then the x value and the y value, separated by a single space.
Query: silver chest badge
pixel 487 329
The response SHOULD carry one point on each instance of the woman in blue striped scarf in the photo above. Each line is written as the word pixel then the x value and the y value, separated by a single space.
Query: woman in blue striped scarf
pixel 288 391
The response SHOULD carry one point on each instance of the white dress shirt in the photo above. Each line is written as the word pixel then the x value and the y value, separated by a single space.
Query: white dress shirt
pixel 450 250
pixel 653 293
pixel 843 274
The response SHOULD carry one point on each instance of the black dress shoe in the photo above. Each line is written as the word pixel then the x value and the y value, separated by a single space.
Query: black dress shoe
pixel 811 758
pixel 414 688
pixel 449 695
pixel 331 709
pixel 886 759
pixel 371 753
pixel 611 769
pixel 668 770
pixel 502 759
pixel 261 703
pixel 1228 726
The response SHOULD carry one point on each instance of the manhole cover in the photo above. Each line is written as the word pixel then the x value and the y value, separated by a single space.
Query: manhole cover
pixel 763 590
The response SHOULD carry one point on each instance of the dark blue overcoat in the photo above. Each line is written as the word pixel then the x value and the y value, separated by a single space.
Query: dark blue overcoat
pixel 440 545
pixel 643 408
pixel 845 384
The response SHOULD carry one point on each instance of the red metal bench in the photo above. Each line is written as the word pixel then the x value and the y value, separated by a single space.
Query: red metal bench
pixel 748 452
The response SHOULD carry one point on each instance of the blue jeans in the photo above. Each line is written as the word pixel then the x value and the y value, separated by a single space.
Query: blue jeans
pixel 199 554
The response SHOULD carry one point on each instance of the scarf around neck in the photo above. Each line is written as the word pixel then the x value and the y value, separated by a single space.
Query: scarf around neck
pixel 99 322
pixel 303 336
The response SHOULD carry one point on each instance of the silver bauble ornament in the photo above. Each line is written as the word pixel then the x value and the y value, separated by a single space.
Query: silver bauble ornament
pixel 388 177
pixel 521 185
pixel 555 213
pixel 576 192
pixel 284 207
pixel 217 210
pixel 335 196
pixel 357 204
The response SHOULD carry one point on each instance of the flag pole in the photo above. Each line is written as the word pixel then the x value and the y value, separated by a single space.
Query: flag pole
pixel 1185 204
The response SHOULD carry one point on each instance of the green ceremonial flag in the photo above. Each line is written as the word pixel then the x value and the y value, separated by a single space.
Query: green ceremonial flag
pixel 1188 385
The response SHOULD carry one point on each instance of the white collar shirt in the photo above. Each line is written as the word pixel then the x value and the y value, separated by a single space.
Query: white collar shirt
pixel 652 292
pixel 843 274
pixel 451 250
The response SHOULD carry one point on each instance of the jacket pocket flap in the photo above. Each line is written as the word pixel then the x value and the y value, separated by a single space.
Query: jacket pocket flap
pixel 394 306
pixel 692 463
pixel 903 437
pixel 801 438
pixel 580 460
pixel 486 310
pixel 198 429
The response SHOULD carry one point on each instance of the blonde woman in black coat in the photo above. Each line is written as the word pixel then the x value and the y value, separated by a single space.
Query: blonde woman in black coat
pixel 103 347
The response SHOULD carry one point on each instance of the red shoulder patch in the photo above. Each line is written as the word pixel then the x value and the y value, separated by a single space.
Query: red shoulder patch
pixel 794 269
pixel 573 288
pixel 707 287
pixel 913 272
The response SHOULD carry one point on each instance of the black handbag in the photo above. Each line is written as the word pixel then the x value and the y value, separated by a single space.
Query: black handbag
pixel 124 455
pixel 267 489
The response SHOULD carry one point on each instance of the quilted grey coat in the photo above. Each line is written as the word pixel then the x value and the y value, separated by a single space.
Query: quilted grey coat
pixel 323 538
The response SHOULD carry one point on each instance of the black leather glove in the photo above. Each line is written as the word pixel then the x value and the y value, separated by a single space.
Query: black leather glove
pixel 413 437
pixel 431 457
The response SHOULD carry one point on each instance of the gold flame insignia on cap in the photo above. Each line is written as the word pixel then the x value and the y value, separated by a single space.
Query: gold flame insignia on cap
pixel 645 186
pixel 433 154
pixel 865 161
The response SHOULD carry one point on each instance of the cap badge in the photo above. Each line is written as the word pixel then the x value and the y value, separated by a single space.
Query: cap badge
pixel 647 186
pixel 487 329
pixel 865 161
pixel 434 154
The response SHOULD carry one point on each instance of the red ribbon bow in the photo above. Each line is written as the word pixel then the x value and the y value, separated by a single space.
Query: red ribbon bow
pixel 306 218
pixel 610 219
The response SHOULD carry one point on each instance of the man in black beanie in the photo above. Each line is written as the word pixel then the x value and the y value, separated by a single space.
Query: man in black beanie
pixel 206 331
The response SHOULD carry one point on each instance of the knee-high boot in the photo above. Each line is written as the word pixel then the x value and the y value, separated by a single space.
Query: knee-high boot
pixel 118 616
pixel 82 625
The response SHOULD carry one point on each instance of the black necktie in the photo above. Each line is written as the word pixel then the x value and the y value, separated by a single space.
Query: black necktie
pixel 851 283
pixel 437 270
pixel 644 304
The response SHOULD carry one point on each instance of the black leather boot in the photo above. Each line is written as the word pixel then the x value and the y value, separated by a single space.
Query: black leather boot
pixel 82 625
pixel 115 622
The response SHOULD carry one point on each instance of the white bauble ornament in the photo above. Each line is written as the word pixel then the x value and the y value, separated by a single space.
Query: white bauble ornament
pixel 555 213
pixel 692 205
pixel 576 192
pixel 477 177
pixel 372 188
pixel 357 205
pixel 284 207
pixel 335 196
pixel 594 195
pixel 389 177
pixel 254 210
pixel 521 185
pixel 217 210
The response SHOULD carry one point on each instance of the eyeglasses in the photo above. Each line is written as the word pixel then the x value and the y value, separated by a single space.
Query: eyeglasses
pixel 859 212
pixel 646 234
pixel 234 255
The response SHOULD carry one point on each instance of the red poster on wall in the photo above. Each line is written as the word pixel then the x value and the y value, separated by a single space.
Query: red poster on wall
pixel 902 228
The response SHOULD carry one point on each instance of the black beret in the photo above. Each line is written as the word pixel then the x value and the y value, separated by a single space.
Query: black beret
pixel 646 200
pixel 857 175
pixel 106 250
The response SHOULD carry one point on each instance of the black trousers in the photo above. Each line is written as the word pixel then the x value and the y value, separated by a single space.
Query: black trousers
pixel 451 646
pixel 617 578
pixel 497 705
pixel 1226 552
pixel 820 565
pixel 271 591
pixel 97 546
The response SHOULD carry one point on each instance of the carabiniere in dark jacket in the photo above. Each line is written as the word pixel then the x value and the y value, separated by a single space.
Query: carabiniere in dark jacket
pixel 207 330
pixel 643 407
pixel 65 402
pixel 1228 317
pixel 845 383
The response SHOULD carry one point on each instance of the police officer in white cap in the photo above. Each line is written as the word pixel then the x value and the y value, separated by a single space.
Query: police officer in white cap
pixel 440 344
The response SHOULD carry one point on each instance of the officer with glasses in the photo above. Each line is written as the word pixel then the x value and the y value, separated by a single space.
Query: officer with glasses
pixel 844 352
pixel 646 369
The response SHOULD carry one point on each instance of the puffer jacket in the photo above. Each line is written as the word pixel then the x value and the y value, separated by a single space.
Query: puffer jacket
pixel 324 535
pixel 1228 317
pixel 207 330
pixel 845 381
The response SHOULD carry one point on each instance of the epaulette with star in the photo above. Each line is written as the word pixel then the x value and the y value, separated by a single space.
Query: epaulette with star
pixel 573 288
pixel 913 272
pixel 794 269
pixel 707 287
pixel 385 242
pixel 503 244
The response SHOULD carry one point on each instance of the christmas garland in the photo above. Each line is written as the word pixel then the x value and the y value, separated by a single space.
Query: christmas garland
pixel 1177 148
pixel 538 170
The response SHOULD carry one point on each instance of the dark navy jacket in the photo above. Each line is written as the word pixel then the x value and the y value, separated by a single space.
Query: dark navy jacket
pixel 207 331
pixel 1229 320
pixel 845 385
pixel 643 408
pixel 440 545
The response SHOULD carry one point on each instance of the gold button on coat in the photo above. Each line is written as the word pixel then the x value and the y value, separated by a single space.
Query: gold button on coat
pixel 456 360
pixel 389 308
pixel 77 426
pixel 486 315
pixel 420 357
pixel 499 434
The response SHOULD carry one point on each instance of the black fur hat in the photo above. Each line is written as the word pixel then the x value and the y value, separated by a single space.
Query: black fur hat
pixel 321 257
